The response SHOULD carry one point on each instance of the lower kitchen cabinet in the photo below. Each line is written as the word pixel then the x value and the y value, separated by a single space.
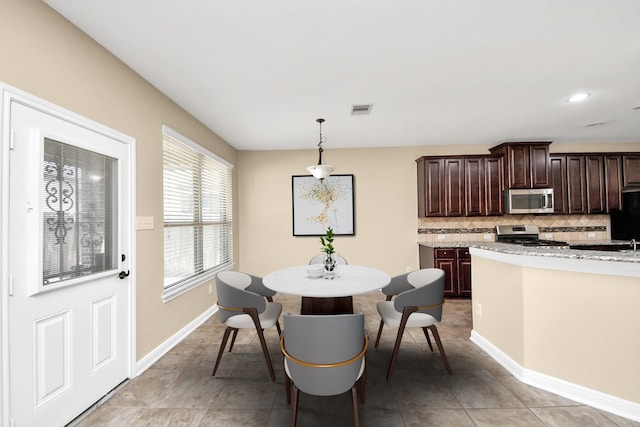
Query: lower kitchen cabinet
pixel 456 263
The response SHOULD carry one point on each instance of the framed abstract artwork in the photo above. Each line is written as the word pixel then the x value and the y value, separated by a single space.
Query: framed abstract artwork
pixel 319 204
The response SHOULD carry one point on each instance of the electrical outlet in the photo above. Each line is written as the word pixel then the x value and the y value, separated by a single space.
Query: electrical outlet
pixel 591 234
pixel 479 309
pixel 548 235
pixel 441 236
pixel 409 269
pixel 144 223
pixel 487 237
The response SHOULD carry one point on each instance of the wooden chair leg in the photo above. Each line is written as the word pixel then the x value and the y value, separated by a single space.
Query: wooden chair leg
pixel 294 406
pixel 363 384
pixel 434 331
pixel 379 333
pixel 222 346
pixel 265 350
pixel 253 313
pixel 354 402
pixel 381 324
pixel 233 339
pixel 406 312
pixel 287 384
pixel 426 334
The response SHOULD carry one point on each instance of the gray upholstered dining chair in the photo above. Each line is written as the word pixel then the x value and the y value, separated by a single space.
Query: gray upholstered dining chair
pixel 259 288
pixel 319 259
pixel 419 297
pixel 324 356
pixel 240 308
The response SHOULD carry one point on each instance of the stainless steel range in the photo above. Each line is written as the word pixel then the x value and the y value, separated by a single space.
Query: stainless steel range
pixel 525 235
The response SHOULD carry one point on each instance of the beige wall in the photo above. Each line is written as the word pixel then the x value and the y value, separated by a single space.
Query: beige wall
pixel 571 325
pixel 45 55
pixel 385 205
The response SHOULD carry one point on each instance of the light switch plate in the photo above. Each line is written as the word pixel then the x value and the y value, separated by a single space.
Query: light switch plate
pixel 144 223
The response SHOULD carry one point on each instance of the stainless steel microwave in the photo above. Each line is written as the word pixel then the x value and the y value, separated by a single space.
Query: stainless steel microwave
pixel 524 201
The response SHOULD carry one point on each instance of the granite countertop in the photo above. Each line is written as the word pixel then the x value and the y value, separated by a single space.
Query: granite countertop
pixel 621 256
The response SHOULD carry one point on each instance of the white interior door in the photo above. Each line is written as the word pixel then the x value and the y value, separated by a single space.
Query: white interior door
pixel 69 313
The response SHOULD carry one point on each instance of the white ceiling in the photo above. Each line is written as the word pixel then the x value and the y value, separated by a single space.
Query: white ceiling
pixel 259 73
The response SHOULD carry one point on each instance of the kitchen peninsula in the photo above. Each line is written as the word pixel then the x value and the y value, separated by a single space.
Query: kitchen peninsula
pixel 563 320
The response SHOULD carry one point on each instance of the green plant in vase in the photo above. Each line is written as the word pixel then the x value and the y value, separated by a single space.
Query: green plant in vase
pixel 329 251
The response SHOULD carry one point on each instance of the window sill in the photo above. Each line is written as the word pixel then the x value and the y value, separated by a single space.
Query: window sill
pixel 176 291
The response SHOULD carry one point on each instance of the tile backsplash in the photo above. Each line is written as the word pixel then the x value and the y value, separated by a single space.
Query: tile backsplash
pixel 568 228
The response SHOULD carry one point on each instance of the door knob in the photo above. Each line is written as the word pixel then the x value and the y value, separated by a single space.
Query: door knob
pixel 123 274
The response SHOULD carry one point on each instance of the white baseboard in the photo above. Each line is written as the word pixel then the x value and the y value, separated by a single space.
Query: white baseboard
pixel 155 355
pixel 575 392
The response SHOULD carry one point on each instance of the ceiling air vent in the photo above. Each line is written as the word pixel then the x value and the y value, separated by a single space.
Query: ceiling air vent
pixel 361 109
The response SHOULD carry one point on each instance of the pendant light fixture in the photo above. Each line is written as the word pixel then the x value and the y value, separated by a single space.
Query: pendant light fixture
pixel 320 171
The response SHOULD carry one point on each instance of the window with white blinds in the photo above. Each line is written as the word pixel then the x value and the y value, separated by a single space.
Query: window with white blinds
pixel 198 220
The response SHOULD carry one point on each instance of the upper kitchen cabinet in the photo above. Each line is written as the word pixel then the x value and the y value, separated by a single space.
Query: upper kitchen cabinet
pixel 474 185
pixel 586 183
pixel 430 187
pixel 459 186
pixel 613 181
pixel 558 172
pixel 576 191
pixel 631 169
pixel 440 186
pixel 595 184
pixel 454 188
pixel 493 186
pixel 526 164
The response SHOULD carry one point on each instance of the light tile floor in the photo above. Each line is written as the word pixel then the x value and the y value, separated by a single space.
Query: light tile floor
pixel 179 390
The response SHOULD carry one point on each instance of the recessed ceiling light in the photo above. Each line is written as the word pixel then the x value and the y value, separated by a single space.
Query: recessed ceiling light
pixel 579 97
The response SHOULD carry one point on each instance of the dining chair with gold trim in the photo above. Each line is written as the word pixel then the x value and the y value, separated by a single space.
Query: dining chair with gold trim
pixel 239 308
pixel 419 297
pixel 324 355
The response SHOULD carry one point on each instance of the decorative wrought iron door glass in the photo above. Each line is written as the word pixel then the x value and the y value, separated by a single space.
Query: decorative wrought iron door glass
pixel 79 208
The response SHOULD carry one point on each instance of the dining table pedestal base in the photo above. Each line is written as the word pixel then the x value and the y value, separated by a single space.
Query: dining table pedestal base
pixel 330 305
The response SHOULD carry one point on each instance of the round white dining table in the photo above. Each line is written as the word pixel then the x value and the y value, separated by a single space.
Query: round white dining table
pixel 349 280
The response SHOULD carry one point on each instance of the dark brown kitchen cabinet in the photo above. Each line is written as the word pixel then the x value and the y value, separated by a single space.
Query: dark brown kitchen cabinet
pixel 474 184
pixel 586 183
pixel 558 172
pixel 493 186
pixel 576 199
pixel 595 190
pixel 456 263
pixel 454 190
pixel 613 181
pixel 459 186
pixel 631 170
pixel 483 186
pixel 440 187
pixel 431 187
pixel 464 272
pixel 526 164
